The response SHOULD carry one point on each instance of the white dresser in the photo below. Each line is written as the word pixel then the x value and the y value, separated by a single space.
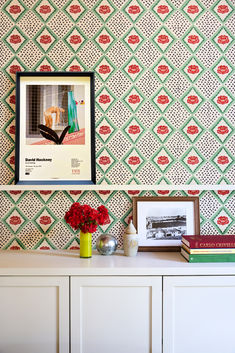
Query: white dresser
pixel 55 302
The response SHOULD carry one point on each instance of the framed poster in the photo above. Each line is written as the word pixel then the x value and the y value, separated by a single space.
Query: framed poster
pixel 55 128
pixel 161 221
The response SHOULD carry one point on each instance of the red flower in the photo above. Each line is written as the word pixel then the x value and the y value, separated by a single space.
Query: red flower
pixel 133 39
pixel 45 39
pixel 222 160
pixel 75 9
pixel 193 9
pixel 134 99
pixel 162 99
pixel 104 130
pixel 75 192
pixel 104 9
pixel 222 100
pixel 15 220
pixel 13 99
pixel 45 192
pixel 193 160
pixel 222 130
pixel 44 247
pixel 163 39
pixel 75 39
pixel 223 9
pixel 192 100
pixel 162 130
pixel 104 160
pixel 104 39
pixel 134 9
pixel 222 220
pixel 15 192
pixel 15 247
pixel 133 69
pixel 12 160
pixel 163 69
pixel 134 129
pixel 14 69
pixel 75 68
pixel 134 160
pixel 104 192
pixel 223 39
pixel 192 130
pixel 45 9
pixel 133 192
pixel 45 68
pixel 162 9
pixel 193 39
pixel 104 69
pixel 15 39
pixel 193 192
pixel 163 192
pixel 162 160
pixel 104 99
pixel 15 9
pixel 85 218
pixel 223 192
pixel 193 69
pixel 222 69
pixel 12 130
pixel 45 220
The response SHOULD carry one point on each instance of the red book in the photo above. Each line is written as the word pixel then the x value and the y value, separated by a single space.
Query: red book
pixel 209 241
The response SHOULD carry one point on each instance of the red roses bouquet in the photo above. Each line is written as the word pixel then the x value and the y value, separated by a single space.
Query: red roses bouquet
pixel 86 218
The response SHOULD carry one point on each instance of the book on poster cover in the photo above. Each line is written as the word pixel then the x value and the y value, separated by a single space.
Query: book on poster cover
pixel 209 250
pixel 207 257
pixel 209 241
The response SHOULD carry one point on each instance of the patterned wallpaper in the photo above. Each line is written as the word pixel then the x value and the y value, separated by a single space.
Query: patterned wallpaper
pixel 165 82
pixel 34 220
pixel 165 109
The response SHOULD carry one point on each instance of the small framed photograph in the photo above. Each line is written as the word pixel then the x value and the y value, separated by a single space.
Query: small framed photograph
pixel 161 221
pixel 55 128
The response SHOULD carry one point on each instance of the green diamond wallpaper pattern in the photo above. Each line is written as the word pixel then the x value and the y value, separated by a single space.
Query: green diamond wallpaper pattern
pixel 165 82
pixel 165 114
pixel 35 220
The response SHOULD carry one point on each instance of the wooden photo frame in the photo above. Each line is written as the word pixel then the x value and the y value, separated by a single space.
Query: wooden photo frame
pixel 161 221
pixel 55 128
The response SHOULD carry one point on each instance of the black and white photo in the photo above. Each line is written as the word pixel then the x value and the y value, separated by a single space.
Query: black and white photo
pixel 161 222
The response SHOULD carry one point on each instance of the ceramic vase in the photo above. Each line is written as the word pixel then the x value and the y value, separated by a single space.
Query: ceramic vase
pixel 130 241
pixel 85 245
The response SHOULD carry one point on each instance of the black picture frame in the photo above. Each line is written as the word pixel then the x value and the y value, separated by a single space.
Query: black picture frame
pixel 53 75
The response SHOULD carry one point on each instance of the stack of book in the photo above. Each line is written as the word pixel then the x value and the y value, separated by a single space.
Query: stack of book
pixel 208 248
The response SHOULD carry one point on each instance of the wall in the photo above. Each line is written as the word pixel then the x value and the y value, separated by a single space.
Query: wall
pixel 34 220
pixel 164 101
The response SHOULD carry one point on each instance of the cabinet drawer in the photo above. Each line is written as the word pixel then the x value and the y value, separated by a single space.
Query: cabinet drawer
pixel 199 314
pixel 116 314
pixel 34 314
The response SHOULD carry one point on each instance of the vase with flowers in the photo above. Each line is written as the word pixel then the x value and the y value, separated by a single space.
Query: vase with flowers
pixel 86 219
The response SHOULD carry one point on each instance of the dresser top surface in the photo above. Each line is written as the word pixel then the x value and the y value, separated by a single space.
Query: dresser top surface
pixel 66 263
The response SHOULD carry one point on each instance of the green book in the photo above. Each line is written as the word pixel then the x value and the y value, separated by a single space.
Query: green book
pixel 208 257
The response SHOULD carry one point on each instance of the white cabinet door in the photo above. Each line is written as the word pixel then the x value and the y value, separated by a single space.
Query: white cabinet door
pixel 34 315
pixel 116 314
pixel 199 314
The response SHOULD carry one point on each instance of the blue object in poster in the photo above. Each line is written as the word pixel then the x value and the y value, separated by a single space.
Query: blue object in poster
pixel 72 113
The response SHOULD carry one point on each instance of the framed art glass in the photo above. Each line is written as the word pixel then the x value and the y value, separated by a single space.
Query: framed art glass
pixel 55 128
pixel 161 221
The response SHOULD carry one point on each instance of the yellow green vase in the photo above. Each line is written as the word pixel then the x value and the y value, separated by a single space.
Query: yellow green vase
pixel 85 245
